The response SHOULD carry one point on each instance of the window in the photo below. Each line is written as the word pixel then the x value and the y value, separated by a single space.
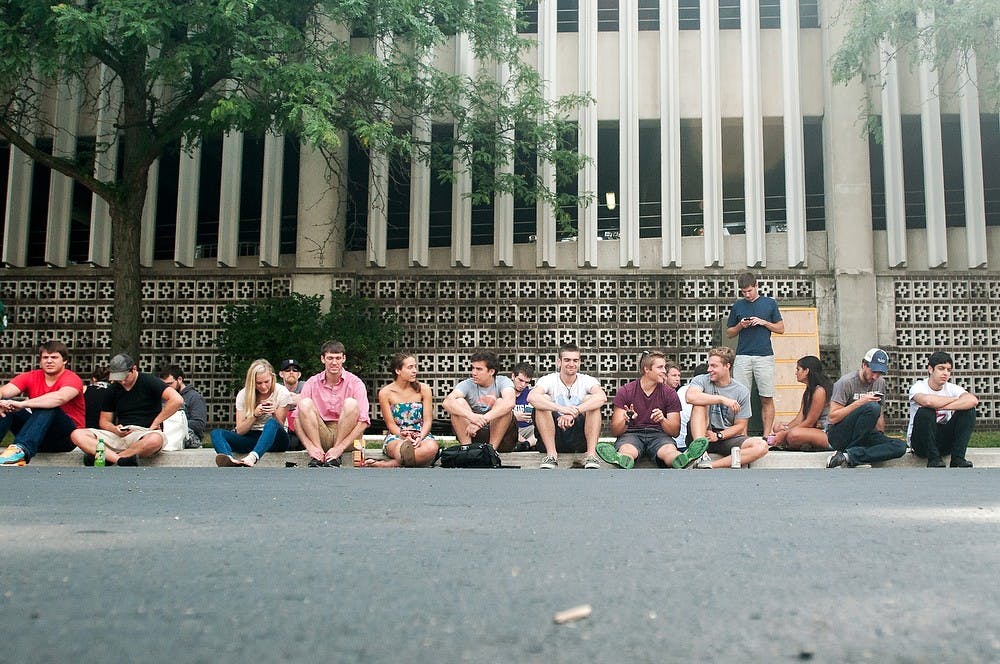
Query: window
pixel 568 16
pixel 607 15
pixel 649 15
pixel 527 18
pixel 688 15
pixel 729 14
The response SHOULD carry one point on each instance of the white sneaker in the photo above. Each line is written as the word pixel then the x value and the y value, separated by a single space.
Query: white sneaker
pixel 548 463
pixel 705 462
pixel 591 463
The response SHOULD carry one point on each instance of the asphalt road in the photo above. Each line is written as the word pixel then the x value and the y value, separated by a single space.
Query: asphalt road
pixel 212 565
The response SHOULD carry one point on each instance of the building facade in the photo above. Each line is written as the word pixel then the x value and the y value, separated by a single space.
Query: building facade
pixel 719 143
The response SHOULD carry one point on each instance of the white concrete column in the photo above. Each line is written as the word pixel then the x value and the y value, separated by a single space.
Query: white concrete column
pixel 933 159
pixel 270 199
pixel 188 191
pixel 20 177
pixel 321 233
pixel 378 207
pixel 66 120
pixel 847 183
pixel 148 228
pixel 105 166
pixel 545 224
pixel 461 206
pixel 753 134
pixel 892 159
pixel 587 132
pixel 795 183
pixel 229 206
pixel 711 135
pixel 670 136
pixel 972 163
pixel 503 203
pixel 628 131
pixel 420 194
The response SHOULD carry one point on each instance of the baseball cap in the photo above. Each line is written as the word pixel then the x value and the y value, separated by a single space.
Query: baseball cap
pixel 878 360
pixel 119 366
pixel 287 364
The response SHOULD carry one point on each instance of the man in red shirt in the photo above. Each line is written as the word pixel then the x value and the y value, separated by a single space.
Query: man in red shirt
pixel 54 408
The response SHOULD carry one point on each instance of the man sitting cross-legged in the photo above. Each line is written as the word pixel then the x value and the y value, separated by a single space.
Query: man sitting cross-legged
pixel 646 417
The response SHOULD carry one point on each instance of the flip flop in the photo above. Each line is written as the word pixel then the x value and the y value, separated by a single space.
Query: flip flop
pixel 407 456
pixel 608 452
pixel 226 461
pixel 691 454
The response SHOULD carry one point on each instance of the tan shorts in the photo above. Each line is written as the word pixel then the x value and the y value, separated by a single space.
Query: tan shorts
pixel 119 443
pixel 328 435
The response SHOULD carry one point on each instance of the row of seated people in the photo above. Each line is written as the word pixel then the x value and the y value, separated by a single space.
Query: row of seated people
pixel 676 427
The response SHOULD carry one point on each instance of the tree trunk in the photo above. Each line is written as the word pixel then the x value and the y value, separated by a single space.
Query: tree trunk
pixel 126 225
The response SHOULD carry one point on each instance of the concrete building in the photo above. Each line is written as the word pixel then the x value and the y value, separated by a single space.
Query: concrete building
pixel 719 142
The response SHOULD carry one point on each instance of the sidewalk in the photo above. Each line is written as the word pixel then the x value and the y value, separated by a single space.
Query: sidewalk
pixel 983 457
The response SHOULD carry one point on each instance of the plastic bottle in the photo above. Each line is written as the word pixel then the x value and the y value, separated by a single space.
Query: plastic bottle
pixel 99 454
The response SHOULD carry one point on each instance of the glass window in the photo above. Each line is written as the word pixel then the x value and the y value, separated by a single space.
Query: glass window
pixel 688 14
pixel 527 18
pixel 568 16
pixel 649 15
pixel 607 15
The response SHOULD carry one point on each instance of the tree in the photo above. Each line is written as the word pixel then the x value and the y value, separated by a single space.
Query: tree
pixel 955 31
pixel 186 69
pixel 296 327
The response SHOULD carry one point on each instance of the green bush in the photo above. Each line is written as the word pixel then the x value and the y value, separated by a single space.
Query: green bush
pixel 296 326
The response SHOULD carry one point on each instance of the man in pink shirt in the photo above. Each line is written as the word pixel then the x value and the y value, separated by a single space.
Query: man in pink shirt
pixel 54 408
pixel 332 410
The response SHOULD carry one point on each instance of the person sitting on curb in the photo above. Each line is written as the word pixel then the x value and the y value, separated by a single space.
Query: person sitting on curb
pixel 807 430
pixel 646 417
pixel 333 409
pixel 721 410
pixel 568 410
pixel 408 412
pixel 132 416
pixel 55 407
pixel 261 409
pixel 480 406
pixel 942 415
pixel 195 407
pixel 856 427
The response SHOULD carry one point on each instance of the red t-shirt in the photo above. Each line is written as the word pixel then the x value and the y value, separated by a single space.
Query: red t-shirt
pixel 33 384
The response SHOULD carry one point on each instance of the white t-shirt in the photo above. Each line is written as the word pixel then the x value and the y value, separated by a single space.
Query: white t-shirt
pixel 567 395
pixel 681 439
pixel 280 397
pixel 949 390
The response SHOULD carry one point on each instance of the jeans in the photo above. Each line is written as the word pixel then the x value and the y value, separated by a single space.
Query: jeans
pixel 40 430
pixel 856 436
pixel 273 436
pixel 931 440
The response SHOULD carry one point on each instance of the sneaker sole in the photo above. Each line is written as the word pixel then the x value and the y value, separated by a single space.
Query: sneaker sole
pixel 692 454
pixel 610 455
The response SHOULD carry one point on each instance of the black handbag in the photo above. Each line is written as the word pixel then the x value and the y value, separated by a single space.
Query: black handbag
pixel 476 455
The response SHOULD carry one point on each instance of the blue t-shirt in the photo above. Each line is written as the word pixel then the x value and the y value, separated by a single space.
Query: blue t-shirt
pixel 756 339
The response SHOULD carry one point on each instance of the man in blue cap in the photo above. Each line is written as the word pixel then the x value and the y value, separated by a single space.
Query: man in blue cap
pixel 856 427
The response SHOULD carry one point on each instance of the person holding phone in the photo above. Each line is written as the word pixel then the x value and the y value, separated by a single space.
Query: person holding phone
pixel 132 415
pixel 261 409
pixel 856 427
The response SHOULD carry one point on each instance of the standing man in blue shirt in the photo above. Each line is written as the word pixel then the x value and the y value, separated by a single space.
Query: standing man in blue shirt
pixel 754 318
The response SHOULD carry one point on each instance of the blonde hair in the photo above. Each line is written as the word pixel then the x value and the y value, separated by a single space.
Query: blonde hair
pixel 250 396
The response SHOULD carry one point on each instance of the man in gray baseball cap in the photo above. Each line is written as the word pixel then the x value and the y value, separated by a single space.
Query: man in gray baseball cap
pixel 856 427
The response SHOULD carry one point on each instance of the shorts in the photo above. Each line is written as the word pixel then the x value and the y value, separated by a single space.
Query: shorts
pixel 726 445
pixel 328 435
pixel 509 440
pixel 748 369
pixel 568 441
pixel 121 443
pixel 647 441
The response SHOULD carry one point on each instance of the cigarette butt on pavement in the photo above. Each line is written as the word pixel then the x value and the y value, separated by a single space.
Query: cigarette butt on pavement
pixel 569 615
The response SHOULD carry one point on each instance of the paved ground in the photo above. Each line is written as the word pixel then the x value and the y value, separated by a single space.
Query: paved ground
pixel 209 565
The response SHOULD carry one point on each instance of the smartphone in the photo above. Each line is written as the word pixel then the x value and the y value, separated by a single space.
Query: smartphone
pixel 879 395
pixel 746 319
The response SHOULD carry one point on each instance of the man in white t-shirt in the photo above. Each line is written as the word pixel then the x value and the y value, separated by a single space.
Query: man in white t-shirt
pixel 568 410
pixel 942 415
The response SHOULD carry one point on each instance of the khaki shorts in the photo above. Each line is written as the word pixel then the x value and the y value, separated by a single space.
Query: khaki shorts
pixel 328 435
pixel 119 443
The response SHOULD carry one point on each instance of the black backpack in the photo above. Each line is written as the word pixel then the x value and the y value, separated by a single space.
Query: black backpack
pixel 476 455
